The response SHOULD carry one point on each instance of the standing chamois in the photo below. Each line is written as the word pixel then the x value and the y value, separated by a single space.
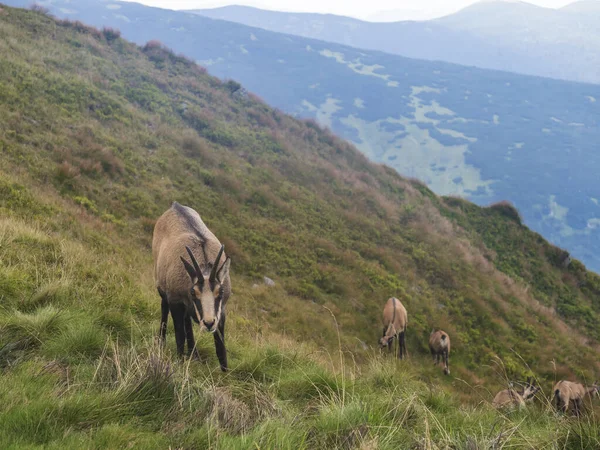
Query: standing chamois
pixel 509 398
pixel 394 325
pixel 568 391
pixel 439 346
pixel 188 277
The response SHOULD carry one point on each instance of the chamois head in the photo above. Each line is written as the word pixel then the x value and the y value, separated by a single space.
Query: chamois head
pixel 206 292
pixel 529 390
pixel 385 341
pixel 596 389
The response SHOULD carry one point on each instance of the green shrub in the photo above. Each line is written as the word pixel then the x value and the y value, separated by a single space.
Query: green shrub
pixel 111 34
pixel 507 209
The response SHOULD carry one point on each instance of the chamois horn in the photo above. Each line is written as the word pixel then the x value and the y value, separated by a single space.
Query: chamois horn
pixel 194 262
pixel 215 267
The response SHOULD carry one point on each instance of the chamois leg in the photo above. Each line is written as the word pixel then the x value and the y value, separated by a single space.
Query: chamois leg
pixel 432 355
pixel 219 336
pixel 164 308
pixel 189 337
pixel 577 407
pixel 178 315
pixel 447 367
pixel 401 346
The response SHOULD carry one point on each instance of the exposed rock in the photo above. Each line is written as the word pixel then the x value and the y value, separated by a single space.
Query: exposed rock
pixel 268 281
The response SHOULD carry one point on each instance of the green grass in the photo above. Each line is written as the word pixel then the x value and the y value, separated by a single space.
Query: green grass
pixel 143 396
pixel 99 136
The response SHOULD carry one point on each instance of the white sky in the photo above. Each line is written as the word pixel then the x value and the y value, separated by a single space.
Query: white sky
pixel 377 10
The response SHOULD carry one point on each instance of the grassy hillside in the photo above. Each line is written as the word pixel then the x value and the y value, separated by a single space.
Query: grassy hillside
pixel 484 135
pixel 99 136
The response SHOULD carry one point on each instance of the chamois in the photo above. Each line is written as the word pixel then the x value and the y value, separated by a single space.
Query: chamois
pixel 394 325
pixel 511 398
pixel 439 345
pixel 197 289
pixel 568 391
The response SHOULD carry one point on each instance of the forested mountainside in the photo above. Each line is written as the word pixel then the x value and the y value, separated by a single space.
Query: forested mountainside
pixel 99 136
pixel 513 36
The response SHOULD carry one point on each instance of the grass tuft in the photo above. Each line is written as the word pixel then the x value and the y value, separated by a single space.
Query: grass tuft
pixel 81 339
pixel 30 330
pixel 55 293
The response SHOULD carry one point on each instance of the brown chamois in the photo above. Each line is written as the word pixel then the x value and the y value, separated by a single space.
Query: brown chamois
pixel 568 391
pixel 439 346
pixel 189 279
pixel 511 398
pixel 394 325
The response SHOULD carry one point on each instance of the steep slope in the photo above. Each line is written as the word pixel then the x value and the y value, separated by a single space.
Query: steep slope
pixel 513 36
pixel 487 136
pixel 98 137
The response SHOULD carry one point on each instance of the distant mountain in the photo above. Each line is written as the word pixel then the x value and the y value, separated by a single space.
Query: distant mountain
pixel 415 10
pixel 583 6
pixel 513 36
pixel 519 23
pixel 396 15
pixel 481 134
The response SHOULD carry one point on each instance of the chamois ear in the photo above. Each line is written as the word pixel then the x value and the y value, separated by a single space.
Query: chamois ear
pixel 189 269
pixel 224 270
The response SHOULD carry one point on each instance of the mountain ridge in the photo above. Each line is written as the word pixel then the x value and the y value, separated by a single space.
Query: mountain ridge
pixel 557 36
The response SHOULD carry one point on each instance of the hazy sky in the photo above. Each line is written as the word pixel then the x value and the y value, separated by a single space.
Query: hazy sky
pixel 369 10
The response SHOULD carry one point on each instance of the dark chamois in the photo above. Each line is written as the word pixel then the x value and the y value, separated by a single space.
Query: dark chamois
pixel 189 279
pixel 439 346
pixel 394 325
pixel 566 392
pixel 509 398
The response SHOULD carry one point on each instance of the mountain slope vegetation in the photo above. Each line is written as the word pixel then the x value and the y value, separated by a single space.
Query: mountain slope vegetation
pixel 99 136
pixel 487 136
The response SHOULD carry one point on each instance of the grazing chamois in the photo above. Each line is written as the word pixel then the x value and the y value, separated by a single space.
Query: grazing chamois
pixel 511 398
pixel 189 279
pixel 439 346
pixel 568 391
pixel 394 325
